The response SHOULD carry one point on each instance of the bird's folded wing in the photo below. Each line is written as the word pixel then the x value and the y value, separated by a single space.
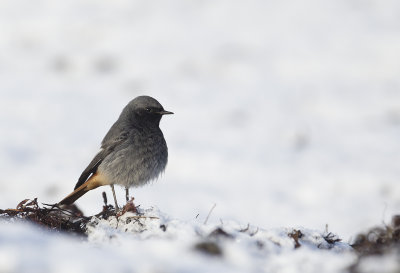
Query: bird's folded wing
pixel 107 148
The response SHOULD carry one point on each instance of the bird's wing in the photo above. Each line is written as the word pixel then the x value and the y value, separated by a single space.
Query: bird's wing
pixel 107 148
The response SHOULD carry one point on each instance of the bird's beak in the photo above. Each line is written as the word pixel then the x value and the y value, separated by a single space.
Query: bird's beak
pixel 165 112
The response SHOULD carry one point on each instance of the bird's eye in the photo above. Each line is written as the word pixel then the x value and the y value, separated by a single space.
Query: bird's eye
pixel 148 110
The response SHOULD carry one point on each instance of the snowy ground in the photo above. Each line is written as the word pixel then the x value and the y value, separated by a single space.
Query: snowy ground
pixel 287 113
pixel 154 242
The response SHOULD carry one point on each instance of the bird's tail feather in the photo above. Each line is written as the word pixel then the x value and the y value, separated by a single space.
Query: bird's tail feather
pixel 90 184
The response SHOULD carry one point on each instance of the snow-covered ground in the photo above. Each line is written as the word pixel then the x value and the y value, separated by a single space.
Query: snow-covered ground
pixel 287 113
pixel 154 242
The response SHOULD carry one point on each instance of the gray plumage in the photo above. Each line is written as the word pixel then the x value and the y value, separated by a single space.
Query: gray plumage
pixel 133 152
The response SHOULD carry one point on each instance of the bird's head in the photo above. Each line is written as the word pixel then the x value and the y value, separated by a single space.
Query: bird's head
pixel 145 110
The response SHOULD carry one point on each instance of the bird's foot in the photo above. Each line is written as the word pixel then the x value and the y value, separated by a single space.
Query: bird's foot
pixel 129 207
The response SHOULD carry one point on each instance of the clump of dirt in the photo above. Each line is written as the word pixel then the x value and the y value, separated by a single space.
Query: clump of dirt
pixel 69 219
pixel 379 240
pixel 211 243
pixel 49 216
pixel 220 233
pixel 296 235
pixel 331 238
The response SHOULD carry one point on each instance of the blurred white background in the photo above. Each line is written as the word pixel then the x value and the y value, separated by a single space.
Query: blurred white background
pixel 287 113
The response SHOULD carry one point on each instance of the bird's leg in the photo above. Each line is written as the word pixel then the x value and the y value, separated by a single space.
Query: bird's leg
pixel 115 198
pixel 127 194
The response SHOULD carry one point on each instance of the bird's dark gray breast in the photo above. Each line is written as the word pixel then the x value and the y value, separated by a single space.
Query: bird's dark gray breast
pixel 140 159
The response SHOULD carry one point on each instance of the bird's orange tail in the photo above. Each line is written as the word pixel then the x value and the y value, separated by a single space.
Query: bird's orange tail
pixel 92 183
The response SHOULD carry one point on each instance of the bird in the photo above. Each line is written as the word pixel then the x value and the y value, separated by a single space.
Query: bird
pixel 133 152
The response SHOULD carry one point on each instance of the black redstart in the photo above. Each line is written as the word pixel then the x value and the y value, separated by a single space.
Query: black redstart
pixel 133 152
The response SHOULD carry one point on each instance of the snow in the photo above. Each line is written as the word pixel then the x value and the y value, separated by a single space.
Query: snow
pixel 138 243
pixel 385 264
pixel 287 114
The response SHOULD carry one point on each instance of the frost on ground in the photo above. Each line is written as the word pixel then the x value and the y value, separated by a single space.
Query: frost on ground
pixel 148 240
pixel 234 246
pixel 152 241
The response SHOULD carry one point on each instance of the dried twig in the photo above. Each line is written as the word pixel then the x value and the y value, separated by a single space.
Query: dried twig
pixel 49 216
pixel 208 216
